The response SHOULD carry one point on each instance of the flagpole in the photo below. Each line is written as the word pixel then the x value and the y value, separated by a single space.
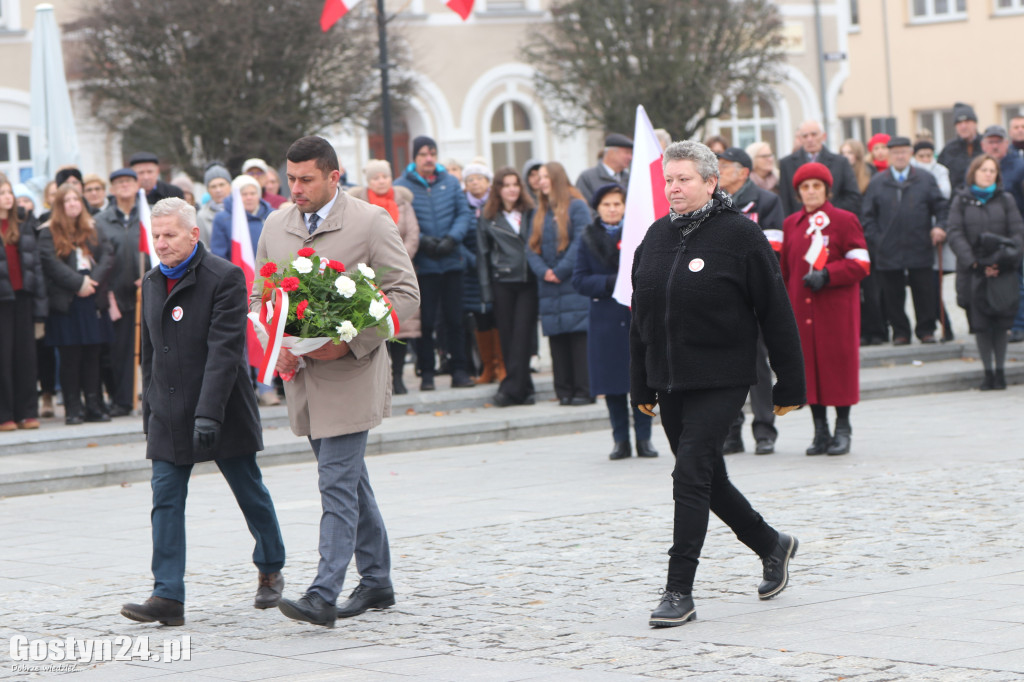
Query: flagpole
pixel 385 94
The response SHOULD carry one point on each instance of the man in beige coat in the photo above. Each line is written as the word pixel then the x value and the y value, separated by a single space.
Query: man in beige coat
pixel 344 390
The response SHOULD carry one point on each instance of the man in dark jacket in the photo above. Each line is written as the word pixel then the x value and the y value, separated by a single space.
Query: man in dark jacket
pixel 443 214
pixel 199 406
pixel 958 154
pixel 613 168
pixel 902 217
pixel 765 209
pixel 147 168
pixel 996 143
pixel 812 140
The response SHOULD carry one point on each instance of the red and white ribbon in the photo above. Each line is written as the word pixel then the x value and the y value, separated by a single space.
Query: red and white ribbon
pixel 276 315
pixel 392 318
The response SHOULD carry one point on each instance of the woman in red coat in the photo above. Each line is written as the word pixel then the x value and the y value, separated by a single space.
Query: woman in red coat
pixel 824 257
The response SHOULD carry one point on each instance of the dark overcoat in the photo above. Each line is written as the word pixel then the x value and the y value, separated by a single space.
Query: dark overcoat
pixel 845 192
pixel 898 219
pixel 196 366
pixel 62 277
pixel 828 319
pixel 562 310
pixel 32 278
pixel 597 266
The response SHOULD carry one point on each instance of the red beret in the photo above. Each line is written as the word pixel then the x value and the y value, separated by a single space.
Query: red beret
pixel 812 171
pixel 877 138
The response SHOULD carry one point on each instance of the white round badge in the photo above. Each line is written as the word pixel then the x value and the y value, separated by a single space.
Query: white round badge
pixel 696 265
pixel 177 313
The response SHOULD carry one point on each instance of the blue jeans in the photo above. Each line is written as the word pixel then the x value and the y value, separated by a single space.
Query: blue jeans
pixel 170 488
pixel 351 521
pixel 618 413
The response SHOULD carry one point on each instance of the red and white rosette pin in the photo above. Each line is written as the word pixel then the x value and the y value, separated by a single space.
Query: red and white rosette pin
pixel 273 318
pixel 819 221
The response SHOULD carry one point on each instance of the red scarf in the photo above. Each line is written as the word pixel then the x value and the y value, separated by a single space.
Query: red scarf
pixel 385 201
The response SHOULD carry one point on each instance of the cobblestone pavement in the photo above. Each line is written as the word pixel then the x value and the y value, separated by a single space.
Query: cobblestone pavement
pixel 541 560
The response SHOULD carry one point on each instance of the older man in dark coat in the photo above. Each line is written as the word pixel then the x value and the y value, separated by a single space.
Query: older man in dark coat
pixel 613 168
pixel 845 194
pixel 198 406
pixel 902 215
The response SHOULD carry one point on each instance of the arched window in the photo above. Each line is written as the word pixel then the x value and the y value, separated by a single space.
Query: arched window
pixel 747 120
pixel 511 135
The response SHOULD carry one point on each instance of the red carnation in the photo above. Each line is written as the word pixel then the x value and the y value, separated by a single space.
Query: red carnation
pixel 337 266
pixel 306 252
pixel 268 269
pixel 290 284
pixel 300 311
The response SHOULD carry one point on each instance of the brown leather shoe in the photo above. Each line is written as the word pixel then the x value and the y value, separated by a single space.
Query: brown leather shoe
pixel 269 591
pixel 167 611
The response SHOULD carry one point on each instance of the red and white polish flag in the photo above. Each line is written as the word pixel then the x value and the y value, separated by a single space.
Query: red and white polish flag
pixel 242 255
pixel 333 11
pixel 645 201
pixel 146 245
pixel 461 7
pixel 861 258
pixel 817 253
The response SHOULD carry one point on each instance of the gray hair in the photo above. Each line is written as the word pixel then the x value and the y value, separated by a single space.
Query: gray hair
pixel 688 150
pixel 375 167
pixel 185 211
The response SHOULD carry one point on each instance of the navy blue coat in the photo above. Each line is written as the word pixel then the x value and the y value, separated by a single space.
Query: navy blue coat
pixel 597 264
pixel 220 237
pixel 562 310
pixel 442 211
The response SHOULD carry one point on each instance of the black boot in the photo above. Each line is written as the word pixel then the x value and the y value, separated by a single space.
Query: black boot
pixel 645 449
pixel 989 382
pixel 167 611
pixel 822 438
pixel 776 567
pixel 841 442
pixel 734 441
pixel 675 609
pixel 397 352
pixel 621 451
pixel 999 380
pixel 94 410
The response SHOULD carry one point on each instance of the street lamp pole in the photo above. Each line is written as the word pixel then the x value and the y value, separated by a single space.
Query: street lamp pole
pixel 385 94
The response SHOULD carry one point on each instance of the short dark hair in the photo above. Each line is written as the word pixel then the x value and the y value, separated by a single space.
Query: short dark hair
pixel 314 147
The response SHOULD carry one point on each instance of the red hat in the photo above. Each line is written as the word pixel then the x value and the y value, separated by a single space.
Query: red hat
pixel 812 171
pixel 877 138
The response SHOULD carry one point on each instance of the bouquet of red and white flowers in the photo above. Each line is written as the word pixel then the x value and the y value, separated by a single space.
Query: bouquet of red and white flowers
pixel 311 301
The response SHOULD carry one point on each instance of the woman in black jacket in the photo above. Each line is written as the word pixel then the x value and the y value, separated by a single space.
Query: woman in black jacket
pixel 986 233
pixel 705 280
pixel 507 281
pixel 76 262
pixel 22 304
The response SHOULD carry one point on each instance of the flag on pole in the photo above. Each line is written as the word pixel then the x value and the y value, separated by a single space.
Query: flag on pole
pixel 146 230
pixel 645 201
pixel 333 11
pixel 461 7
pixel 242 255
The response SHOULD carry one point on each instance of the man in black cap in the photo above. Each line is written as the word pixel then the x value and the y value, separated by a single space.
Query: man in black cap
pixel 958 153
pixel 120 223
pixel 902 215
pixel 147 167
pixel 765 209
pixel 613 168
pixel 996 143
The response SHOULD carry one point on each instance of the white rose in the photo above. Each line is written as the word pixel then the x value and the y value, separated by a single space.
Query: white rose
pixel 345 286
pixel 366 271
pixel 302 265
pixel 347 331
pixel 378 309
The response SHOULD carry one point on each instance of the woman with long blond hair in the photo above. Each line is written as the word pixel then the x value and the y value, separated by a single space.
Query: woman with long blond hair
pixel 557 227
pixel 855 153
pixel 22 303
pixel 76 262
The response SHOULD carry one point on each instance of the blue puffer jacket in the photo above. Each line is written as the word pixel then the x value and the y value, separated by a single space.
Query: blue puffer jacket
pixel 220 238
pixel 562 310
pixel 442 211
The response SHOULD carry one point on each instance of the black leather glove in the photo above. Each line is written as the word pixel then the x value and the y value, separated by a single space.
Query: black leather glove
pixel 816 280
pixel 206 434
pixel 446 246
pixel 428 245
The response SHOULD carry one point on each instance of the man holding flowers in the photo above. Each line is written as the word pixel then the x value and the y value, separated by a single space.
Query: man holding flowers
pixel 343 388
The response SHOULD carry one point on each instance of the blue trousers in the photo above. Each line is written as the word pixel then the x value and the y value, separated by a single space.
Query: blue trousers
pixel 351 522
pixel 618 414
pixel 170 488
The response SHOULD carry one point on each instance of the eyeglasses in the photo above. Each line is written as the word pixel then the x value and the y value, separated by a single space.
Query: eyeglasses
pixel 765 156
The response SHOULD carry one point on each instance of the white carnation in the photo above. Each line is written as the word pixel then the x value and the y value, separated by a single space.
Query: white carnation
pixel 345 286
pixel 366 271
pixel 347 331
pixel 378 309
pixel 302 265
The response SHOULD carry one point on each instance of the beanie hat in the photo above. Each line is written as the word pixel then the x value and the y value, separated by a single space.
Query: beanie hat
pixel 243 180
pixel 214 171
pixel 963 112
pixel 22 190
pixel 878 138
pixel 477 169
pixel 812 171
pixel 924 144
pixel 421 142
pixel 64 173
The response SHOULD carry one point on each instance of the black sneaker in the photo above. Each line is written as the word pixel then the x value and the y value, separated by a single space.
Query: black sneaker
pixel 675 609
pixel 776 567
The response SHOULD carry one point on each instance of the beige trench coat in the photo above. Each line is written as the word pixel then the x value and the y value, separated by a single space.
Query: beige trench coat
pixel 409 229
pixel 353 393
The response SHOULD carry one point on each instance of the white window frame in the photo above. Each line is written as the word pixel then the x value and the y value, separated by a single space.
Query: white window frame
pixel 510 136
pixel 1017 8
pixel 13 166
pixel 859 129
pixel 931 16
pixel 1008 111
pixel 734 123
pixel 932 120
pixel 854 26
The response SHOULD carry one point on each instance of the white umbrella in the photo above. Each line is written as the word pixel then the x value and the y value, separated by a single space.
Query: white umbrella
pixel 54 142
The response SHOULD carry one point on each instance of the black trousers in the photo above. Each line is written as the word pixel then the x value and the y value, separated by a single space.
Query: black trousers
pixel 121 384
pixel 79 373
pixel 441 296
pixel 760 400
pixel 894 297
pixel 569 365
pixel 696 423
pixel 872 317
pixel 515 315
pixel 18 399
pixel 46 364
